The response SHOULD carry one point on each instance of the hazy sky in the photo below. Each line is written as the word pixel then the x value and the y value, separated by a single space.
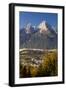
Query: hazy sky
pixel 36 18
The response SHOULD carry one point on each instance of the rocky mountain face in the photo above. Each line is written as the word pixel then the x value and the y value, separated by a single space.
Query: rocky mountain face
pixel 41 37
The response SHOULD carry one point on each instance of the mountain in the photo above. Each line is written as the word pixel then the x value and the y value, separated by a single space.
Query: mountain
pixel 29 29
pixel 26 33
pixel 41 37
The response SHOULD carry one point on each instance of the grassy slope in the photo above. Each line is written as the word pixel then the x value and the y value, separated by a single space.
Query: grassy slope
pixel 48 67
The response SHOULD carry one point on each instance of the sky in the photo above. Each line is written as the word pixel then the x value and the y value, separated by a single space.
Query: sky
pixel 36 18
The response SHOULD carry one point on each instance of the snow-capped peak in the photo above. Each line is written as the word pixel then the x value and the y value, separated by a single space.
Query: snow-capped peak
pixel 28 28
pixel 43 26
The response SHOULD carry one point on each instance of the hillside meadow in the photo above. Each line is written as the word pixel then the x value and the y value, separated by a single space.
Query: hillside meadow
pixel 44 66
